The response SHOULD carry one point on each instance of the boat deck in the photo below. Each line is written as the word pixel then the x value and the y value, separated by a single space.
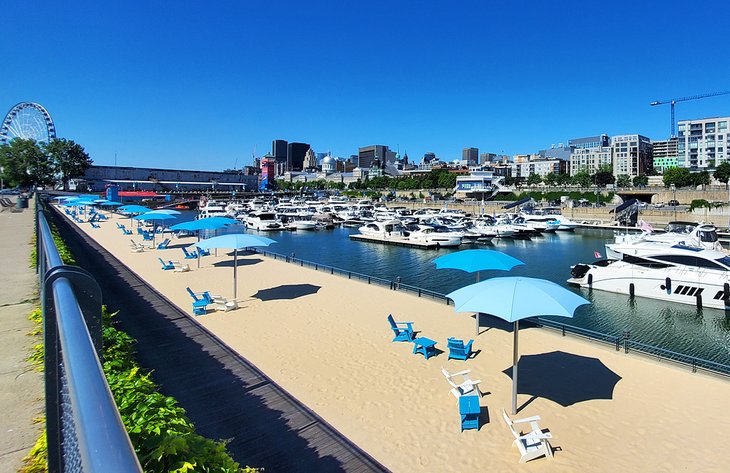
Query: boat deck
pixel 395 240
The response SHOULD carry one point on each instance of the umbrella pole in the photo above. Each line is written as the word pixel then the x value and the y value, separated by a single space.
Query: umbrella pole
pixel 515 351
pixel 235 265
pixel 478 314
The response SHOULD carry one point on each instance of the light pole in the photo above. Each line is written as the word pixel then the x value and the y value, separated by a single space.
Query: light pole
pixel 674 199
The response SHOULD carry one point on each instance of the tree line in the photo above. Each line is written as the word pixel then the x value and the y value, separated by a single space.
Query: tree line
pixel 435 179
pixel 26 162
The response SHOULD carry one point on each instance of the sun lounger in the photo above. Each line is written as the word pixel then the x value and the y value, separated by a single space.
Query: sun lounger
pixel 203 252
pixel 458 350
pixel 403 330
pixel 467 385
pixel 166 266
pixel 164 244
pixel 136 247
pixel 179 267
pixel 531 445
pixel 94 225
pixel 189 254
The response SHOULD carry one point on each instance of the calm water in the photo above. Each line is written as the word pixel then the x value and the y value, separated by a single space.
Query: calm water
pixel 704 333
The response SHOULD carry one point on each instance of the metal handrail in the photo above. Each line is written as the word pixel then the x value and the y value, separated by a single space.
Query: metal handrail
pixel 85 431
pixel 618 341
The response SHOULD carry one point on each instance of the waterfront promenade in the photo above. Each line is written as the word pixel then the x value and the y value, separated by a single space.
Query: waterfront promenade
pixel 21 387
pixel 326 341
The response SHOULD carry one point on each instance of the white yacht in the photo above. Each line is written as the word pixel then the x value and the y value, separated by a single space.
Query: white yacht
pixel 681 274
pixel 386 229
pixel 690 234
pixel 262 221
pixel 541 223
pixel 211 208
pixel 566 224
pixel 439 236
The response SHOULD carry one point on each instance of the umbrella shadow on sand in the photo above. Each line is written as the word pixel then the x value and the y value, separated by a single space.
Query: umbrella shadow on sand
pixel 241 262
pixel 564 378
pixel 287 291
pixel 488 322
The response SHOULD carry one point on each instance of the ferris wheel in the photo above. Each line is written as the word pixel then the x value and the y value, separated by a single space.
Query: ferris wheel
pixel 27 120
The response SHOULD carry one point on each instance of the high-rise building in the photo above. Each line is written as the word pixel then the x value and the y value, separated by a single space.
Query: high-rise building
pixel 367 155
pixel 589 154
pixel 470 155
pixel 429 157
pixel 703 143
pixel 665 154
pixel 631 155
pixel 310 160
pixel 279 150
pixel 485 158
pixel 295 156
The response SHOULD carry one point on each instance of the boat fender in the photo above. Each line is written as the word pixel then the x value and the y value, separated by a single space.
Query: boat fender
pixel 590 280
pixel 699 300
pixel 631 290
pixel 726 292
pixel 668 285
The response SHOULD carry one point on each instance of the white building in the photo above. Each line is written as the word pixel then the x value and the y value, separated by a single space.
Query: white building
pixel 477 184
pixel 631 155
pixel 703 143
pixel 589 154
pixel 541 167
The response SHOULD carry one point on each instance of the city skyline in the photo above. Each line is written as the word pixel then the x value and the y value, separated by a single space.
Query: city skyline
pixel 202 88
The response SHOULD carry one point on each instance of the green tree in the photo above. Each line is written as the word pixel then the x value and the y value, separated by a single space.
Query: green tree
pixel 446 180
pixel 641 180
pixel 551 179
pixel 534 179
pixel 563 179
pixel 581 178
pixel 69 159
pixel 509 181
pixel 603 177
pixel 680 177
pixel 624 180
pixel 25 163
pixel 701 178
pixel 722 173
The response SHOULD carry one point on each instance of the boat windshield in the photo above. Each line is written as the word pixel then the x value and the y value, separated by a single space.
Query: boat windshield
pixel 680 227
pixel 708 235
pixel 725 261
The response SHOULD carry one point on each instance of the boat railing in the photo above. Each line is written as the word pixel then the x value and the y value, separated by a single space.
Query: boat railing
pixel 619 342
pixel 84 429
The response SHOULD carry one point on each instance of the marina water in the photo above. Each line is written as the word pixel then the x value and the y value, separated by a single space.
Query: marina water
pixel 704 333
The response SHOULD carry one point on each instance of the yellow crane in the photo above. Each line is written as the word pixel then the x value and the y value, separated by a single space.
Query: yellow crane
pixel 671 103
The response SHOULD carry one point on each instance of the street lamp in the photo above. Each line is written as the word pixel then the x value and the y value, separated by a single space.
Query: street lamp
pixel 674 200
pixel 596 192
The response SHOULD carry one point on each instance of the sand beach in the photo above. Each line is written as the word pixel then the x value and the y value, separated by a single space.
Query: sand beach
pixel 325 339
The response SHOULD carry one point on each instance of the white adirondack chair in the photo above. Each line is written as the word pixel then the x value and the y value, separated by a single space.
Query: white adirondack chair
pixel 534 444
pixel 467 385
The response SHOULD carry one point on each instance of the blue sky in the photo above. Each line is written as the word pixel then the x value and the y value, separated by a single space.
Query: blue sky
pixel 200 85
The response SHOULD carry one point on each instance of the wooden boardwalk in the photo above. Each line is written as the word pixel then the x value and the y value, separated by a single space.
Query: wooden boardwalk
pixel 224 395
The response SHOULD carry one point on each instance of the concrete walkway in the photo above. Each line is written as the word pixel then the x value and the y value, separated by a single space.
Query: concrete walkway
pixel 21 388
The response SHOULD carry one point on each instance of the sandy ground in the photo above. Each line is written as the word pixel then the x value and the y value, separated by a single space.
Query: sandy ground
pixel 325 339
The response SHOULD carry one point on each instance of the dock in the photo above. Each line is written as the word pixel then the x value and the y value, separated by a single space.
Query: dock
pixel 395 240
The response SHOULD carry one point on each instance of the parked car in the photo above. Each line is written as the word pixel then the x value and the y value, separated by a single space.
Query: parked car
pixel 673 203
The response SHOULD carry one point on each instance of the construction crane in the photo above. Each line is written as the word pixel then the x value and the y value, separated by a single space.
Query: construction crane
pixel 671 103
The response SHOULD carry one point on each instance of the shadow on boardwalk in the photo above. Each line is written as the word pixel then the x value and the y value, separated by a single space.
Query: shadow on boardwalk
pixel 224 395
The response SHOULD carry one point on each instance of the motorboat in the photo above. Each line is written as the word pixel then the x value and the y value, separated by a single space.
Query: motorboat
pixel 384 229
pixel 211 208
pixel 689 234
pixel 541 223
pixel 262 221
pixel 434 235
pixel 566 224
pixel 673 273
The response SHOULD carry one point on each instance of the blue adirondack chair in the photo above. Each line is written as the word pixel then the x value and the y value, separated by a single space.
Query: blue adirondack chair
pixel 189 254
pixel 126 232
pixel 93 225
pixel 120 226
pixel 458 350
pixel 146 235
pixel 166 266
pixel 204 252
pixel 404 333
pixel 164 244
pixel 200 304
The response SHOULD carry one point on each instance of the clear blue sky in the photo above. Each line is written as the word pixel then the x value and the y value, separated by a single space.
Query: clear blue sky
pixel 198 85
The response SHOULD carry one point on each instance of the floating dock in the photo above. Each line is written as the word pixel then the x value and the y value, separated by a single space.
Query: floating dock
pixel 395 240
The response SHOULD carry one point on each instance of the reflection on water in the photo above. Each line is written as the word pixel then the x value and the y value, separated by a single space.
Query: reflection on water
pixel 683 328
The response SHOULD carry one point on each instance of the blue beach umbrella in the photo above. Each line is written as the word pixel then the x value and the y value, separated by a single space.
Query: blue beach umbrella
pixel 134 209
pixel 210 223
pixel 477 260
pixel 235 241
pixel 515 298
pixel 165 211
pixel 154 218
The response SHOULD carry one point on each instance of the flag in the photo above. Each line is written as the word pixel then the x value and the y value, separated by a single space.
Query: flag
pixel 597 254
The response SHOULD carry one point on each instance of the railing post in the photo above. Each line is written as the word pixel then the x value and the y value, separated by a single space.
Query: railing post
pixel 627 336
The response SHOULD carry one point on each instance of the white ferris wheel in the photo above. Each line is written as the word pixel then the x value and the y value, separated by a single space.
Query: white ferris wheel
pixel 27 120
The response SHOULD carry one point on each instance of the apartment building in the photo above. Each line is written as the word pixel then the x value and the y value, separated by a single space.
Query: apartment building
pixel 632 155
pixel 703 143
